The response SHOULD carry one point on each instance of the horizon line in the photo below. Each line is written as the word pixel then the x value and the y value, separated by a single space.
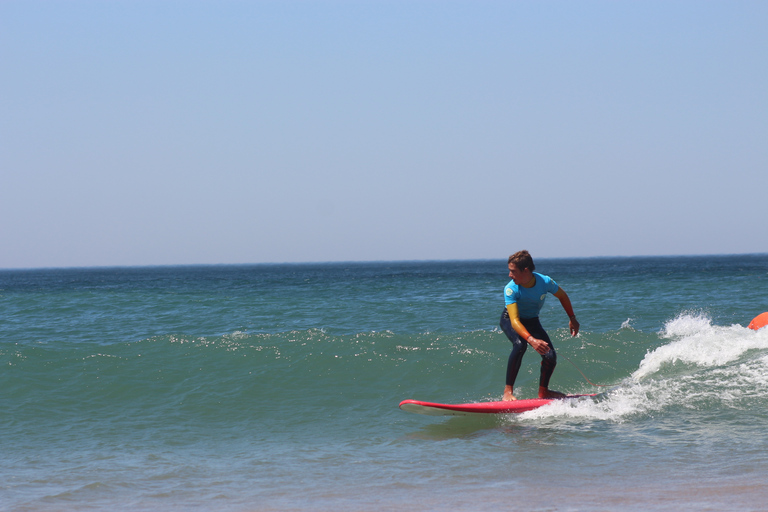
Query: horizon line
pixel 363 262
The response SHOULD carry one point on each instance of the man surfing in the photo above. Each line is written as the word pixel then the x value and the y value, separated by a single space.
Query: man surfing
pixel 524 297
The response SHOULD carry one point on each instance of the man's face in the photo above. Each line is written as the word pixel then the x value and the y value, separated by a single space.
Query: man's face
pixel 520 277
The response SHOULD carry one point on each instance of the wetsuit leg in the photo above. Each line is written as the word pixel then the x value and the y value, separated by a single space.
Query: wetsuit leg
pixel 519 346
pixel 548 361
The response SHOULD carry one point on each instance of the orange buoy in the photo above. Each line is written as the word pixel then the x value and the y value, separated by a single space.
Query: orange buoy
pixel 759 321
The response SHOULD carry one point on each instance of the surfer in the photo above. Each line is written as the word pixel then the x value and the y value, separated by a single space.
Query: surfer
pixel 524 296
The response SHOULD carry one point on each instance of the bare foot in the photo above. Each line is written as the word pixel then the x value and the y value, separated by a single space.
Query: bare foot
pixel 546 393
pixel 508 396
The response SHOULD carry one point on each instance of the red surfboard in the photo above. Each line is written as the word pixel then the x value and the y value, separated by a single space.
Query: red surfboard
pixel 514 406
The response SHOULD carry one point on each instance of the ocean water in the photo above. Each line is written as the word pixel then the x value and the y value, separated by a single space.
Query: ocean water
pixel 276 387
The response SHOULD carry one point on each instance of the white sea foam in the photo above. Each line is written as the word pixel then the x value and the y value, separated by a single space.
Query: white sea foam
pixel 695 341
pixel 701 364
pixel 627 324
pixel 616 405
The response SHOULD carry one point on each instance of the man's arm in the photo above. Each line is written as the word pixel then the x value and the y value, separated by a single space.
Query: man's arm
pixel 565 301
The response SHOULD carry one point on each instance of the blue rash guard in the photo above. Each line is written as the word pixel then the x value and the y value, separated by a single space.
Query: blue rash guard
pixel 530 300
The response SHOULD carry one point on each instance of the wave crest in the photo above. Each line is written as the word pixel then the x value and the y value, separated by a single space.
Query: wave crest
pixel 695 341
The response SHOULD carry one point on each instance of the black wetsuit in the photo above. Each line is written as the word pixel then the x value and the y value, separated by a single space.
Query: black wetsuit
pixel 519 345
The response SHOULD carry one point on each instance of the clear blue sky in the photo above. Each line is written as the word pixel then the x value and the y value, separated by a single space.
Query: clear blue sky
pixel 182 132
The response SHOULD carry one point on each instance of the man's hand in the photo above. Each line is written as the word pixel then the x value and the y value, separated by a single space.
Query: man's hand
pixel 573 324
pixel 538 345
